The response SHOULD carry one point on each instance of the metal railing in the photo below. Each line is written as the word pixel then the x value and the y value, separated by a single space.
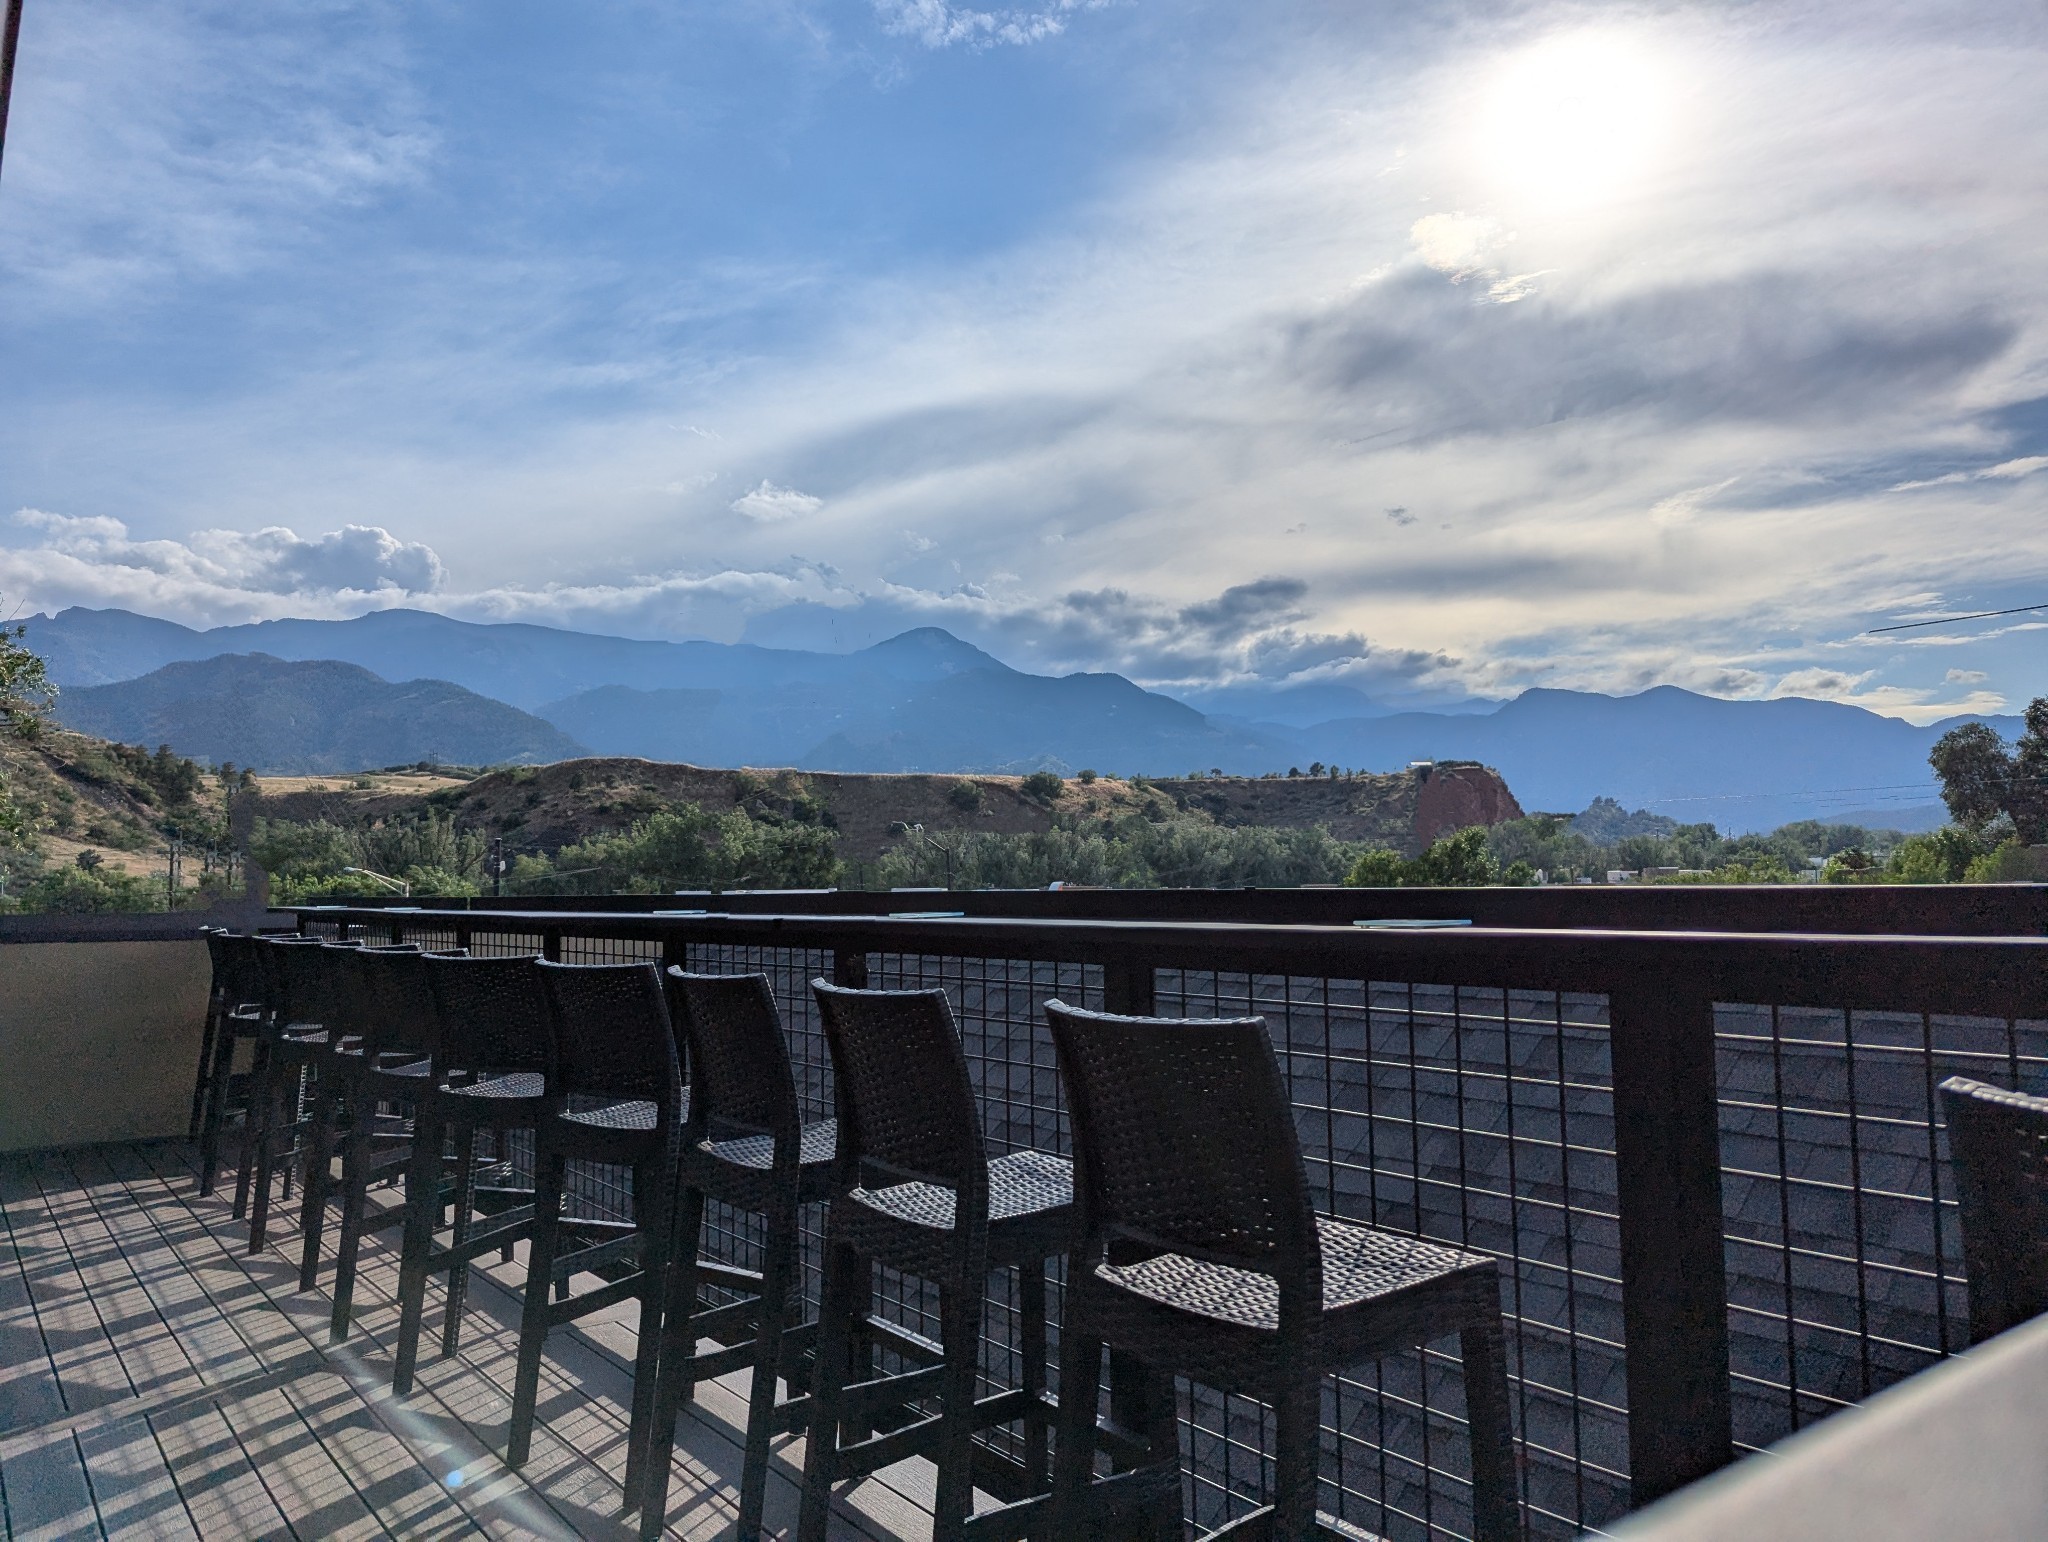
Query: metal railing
pixel 1711 1165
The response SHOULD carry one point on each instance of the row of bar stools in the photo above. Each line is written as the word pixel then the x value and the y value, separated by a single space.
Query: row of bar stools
pixel 745 1146
pixel 236 1007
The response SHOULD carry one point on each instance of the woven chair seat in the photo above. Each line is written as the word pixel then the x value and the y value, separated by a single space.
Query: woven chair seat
pixel 304 1033
pixel 510 1087
pixel 634 1114
pixel 1024 1183
pixel 816 1146
pixel 1360 1265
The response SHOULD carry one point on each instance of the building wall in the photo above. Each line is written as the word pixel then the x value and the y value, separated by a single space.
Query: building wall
pixel 98 1040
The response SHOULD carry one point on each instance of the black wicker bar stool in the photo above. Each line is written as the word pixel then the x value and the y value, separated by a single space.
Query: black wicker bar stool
pixel 1203 1257
pixel 353 1029
pixel 292 1048
pixel 615 1097
pixel 237 1006
pixel 384 1069
pixel 745 1145
pixel 914 1190
pixel 1998 1142
pixel 495 1048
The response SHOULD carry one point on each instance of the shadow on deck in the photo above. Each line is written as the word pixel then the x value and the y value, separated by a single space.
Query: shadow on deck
pixel 158 1381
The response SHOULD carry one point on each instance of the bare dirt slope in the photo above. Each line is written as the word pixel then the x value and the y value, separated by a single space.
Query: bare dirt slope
pixel 546 807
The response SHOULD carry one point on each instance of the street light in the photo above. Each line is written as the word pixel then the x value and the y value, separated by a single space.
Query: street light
pixel 404 889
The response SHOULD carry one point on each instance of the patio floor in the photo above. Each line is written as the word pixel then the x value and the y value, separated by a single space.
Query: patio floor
pixel 157 1381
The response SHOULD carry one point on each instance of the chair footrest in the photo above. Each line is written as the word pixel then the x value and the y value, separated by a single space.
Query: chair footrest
pixel 591 1259
pixel 511 1226
pixel 610 1294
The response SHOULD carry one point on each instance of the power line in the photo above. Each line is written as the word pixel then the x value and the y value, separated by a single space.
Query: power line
pixel 1975 615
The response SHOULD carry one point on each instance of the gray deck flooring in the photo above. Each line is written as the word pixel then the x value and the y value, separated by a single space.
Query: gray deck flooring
pixel 157 1381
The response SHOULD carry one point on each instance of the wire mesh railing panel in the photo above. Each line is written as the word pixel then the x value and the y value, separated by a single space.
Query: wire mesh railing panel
pixel 1844 1252
pixel 1480 1118
pixel 609 950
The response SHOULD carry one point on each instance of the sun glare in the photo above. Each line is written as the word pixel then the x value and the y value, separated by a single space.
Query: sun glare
pixel 1574 121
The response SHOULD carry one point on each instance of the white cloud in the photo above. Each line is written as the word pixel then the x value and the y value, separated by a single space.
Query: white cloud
pixel 1458 244
pixel 768 503
pixel 938 24
pixel 2004 471
pixel 214 575
pixel 1965 677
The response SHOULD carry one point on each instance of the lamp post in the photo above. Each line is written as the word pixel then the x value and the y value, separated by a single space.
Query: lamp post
pixel 10 41
pixel 404 889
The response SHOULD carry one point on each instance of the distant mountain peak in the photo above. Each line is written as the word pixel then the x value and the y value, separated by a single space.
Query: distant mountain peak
pixel 934 647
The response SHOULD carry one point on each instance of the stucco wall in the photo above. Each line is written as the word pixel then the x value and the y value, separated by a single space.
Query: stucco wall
pixel 98 1040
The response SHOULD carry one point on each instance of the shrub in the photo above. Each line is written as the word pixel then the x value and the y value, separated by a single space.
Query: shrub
pixel 965 796
pixel 1087 777
pixel 1045 786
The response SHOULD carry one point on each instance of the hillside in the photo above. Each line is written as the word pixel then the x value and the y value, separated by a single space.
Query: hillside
pixel 926 701
pixel 546 807
pixel 271 715
pixel 81 793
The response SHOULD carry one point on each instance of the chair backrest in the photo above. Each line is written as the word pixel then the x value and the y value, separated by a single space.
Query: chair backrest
pixel 740 1078
pixel 363 1006
pixel 905 1102
pixel 612 1034
pixel 238 977
pixel 1998 1141
pixel 302 977
pixel 1184 1141
pixel 490 1014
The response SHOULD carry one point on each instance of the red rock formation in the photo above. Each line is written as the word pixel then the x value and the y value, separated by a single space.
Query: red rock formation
pixel 1452 797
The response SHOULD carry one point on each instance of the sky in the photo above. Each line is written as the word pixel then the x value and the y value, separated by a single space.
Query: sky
pixel 1438 351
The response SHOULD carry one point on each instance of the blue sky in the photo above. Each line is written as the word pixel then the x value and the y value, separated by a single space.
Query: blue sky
pixel 1438 351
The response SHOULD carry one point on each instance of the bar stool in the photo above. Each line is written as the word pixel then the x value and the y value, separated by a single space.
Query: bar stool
pixel 1202 1256
pixel 495 1046
pixel 1998 1143
pixel 615 1097
pixel 293 1046
pixel 236 1008
pixel 915 1190
pixel 745 1145
pixel 353 1030
pixel 393 1060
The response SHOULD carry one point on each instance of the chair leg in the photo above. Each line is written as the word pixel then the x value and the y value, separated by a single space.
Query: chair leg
pixel 216 1115
pixel 1297 1457
pixel 1496 1493
pixel 778 1268
pixel 465 1218
pixel 1031 1344
pixel 1074 1453
pixel 266 1104
pixel 253 1124
pixel 845 1291
pixel 216 1025
pixel 960 1319
pixel 653 1207
pixel 422 1212
pixel 674 1379
pixel 327 1105
pixel 533 1323
pixel 355 1195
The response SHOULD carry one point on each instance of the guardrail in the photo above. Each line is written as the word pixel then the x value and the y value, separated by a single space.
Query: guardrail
pixel 1940 910
pixel 1712 1165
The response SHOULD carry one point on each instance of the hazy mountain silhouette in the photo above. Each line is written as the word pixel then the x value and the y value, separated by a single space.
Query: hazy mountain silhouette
pixel 323 717
pixel 927 701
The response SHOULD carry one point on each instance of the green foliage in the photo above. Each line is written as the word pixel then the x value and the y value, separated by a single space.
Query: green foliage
pixel 965 796
pixel 1087 777
pixel 1459 861
pixel 25 698
pixel 78 891
pixel 2011 861
pixel 1135 850
pixel 685 848
pixel 1045 786
pixel 1941 856
pixel 1981 779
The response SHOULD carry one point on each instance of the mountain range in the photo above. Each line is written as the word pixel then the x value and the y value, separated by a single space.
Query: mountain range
pixel 926 701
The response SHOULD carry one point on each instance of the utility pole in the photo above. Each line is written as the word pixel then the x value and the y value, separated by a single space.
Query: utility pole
pixel 497 866
pixel 172 875
pixel 10 41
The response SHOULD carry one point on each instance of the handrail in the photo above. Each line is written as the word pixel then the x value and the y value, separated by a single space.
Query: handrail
pixel 2013 910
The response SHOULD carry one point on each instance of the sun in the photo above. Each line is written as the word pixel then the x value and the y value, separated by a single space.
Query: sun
pixel 1576 120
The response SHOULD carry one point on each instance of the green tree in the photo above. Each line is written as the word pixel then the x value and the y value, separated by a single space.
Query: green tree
pixel 1457 861
pixel 1976 774
pixel 1378 869
pixel 26 696
pixel 1045 786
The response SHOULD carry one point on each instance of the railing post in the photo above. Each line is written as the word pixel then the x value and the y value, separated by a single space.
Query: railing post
pixel 850 968
pixel 1674 1276
pixel 551 945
